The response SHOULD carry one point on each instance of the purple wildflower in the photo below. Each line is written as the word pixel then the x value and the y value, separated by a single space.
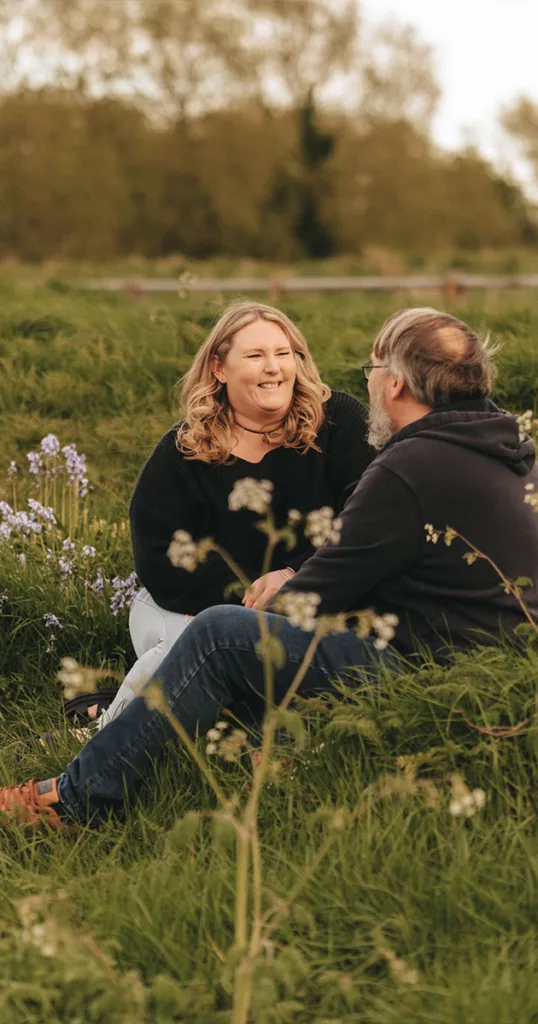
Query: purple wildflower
pixel 5 531
pixel 50 445
pixel 36 465
pixel 75 465
pixel 5 509
pixel 51 621
pixel 25 522
pixel 88 551
pixel 66 566
pixel 124 593
pixel 68 545
pixel 42 511
pixel 98 584
pixel 22 559
pixel 13 469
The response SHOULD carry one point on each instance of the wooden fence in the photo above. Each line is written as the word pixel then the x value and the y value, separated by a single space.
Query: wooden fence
pixel 451 285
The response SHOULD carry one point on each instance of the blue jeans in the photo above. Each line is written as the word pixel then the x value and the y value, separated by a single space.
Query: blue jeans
pixel 212 665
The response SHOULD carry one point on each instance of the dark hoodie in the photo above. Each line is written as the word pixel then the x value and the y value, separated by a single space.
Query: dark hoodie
pixel 463 467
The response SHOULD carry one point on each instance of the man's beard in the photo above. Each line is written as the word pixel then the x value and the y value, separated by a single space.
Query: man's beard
pixel 380 429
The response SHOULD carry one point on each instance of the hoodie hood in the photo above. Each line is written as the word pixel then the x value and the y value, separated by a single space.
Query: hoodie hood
pixel 478 424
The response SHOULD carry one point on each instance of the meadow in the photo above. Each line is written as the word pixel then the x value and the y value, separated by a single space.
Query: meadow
pixel 415 913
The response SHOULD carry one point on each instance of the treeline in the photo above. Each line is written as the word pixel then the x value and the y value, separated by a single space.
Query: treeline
pixel 237 127
pixel 95 179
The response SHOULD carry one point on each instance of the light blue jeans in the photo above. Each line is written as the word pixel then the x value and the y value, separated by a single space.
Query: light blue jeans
pixel 153 632
pixel 212 665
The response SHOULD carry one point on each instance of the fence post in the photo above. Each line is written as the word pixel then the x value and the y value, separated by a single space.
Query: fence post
pixel 274 289
pixel 453 288
pixel 133 288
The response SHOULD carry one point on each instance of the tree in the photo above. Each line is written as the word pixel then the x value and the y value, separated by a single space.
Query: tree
pixel 520 121
pixel 396 79
pixel 179 56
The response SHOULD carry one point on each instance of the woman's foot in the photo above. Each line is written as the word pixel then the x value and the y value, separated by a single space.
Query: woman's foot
pixel 32 803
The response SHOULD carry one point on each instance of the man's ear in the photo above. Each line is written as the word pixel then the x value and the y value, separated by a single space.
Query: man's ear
pixel 218 369
pixel 397 385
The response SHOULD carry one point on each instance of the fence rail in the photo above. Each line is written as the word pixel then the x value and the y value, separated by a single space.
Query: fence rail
pixel 452 285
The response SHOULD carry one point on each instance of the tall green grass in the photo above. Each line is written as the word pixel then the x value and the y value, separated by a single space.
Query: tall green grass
pixel 134 922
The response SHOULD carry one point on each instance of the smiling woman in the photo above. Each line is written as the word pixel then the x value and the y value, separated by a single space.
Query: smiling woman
pixel 254 406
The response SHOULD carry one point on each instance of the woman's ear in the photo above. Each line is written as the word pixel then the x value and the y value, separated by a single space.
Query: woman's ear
pixel 218 369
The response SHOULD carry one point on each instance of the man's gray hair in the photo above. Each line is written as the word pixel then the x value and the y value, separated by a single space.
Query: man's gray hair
pixel 440 357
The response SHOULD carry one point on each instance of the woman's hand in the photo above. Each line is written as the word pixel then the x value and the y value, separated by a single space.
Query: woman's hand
pixel 264 589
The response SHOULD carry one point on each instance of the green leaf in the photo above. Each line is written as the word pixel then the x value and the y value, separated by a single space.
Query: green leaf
pixel 223 830
pixel 291 721
pixel 272 648
pixel 234 588
pixel 523 581
pixel 184 831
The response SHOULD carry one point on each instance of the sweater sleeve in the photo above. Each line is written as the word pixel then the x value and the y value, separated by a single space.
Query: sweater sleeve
pixel 348 451
pixel 382 532
pixel 165 500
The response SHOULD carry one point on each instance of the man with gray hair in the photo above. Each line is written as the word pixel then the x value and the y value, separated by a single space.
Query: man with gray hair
pixel 448 458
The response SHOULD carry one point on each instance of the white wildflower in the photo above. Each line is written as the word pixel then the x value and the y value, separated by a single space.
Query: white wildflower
pixel 182 551
pixel 524 423
pixel 385 627
pixel 213 734
pixel 211 748
pixel 294 516
pixel 300 609
pixel 465 803
pixel 431 534
pixel 322 527
pixel 531 497
pixel 255 495
pixel 73 678
pixel 221 725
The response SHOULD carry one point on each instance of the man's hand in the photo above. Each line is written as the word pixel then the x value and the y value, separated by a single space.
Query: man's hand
pixel 264 589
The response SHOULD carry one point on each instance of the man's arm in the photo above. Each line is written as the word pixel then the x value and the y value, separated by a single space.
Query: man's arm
pixel 382 533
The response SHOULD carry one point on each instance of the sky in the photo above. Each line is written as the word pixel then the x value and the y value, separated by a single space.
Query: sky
pixel 485 57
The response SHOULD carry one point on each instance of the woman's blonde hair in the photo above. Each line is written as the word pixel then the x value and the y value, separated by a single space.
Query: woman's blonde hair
pixel 206 433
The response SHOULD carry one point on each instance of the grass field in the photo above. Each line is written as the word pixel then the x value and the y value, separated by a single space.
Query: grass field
pixel 413 915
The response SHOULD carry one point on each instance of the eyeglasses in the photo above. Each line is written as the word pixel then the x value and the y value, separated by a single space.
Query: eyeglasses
pixel 368 367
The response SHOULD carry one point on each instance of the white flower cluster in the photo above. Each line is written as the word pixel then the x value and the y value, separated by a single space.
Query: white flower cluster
pixel 322 527
pixel 71 677
pixel 300 609
pixel 255 495
pixel 228 745
pixel 531 498
pixel 467 804
pixel 385 627
pixel 182 551
pixel 431 534
pixel 525 424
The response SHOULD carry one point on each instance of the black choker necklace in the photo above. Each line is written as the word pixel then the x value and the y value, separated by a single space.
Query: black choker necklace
pixel 250 429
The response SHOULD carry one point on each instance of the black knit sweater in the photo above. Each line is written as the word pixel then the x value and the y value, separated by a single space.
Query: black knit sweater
pixel 174 493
